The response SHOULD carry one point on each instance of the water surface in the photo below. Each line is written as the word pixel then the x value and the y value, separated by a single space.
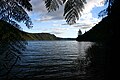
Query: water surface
pixel 53 59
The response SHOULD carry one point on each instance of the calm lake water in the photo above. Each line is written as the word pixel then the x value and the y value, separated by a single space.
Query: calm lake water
pixel 53 60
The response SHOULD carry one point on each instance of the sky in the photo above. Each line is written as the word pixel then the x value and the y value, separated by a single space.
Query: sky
pixel 54 22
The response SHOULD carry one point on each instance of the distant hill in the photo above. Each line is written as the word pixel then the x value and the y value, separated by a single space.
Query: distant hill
pixel 100 32
pixel 7 31
pixel 39 36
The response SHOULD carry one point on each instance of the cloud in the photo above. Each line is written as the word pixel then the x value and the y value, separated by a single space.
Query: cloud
pixel 59 29
pixel 86 21
pixel 44 15
pixel 39 7
pixel 56 25
pixel 55 32
pixel 42 19
pixel 91 4
pixel 83 25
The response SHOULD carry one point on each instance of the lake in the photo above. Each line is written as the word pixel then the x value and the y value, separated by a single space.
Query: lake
pixel 53 60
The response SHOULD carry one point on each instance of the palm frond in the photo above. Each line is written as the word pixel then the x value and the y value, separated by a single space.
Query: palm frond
pixel 25 4
pixel 72 10
pixel 53 5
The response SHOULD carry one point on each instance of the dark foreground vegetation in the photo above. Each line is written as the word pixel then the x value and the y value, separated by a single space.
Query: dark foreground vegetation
pixel 105 33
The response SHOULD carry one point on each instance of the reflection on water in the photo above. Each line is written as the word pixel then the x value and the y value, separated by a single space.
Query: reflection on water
pixel 53 60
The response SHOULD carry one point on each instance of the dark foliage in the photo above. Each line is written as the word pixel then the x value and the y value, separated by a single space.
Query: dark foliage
pixel 97 68
pixel 14 10
pixel 11 47
pixel 11 41
pixel 107 31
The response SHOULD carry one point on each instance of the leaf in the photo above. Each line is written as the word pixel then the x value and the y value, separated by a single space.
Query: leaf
pixel 52 5
pixel 25 4
pixel 72 10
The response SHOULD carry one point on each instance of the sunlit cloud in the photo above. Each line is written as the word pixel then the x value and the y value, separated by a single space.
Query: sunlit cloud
pixel 45 18
pixel 86 21
pixel 93 3
pixel 56 25
pixel 58 30
pixel 83 25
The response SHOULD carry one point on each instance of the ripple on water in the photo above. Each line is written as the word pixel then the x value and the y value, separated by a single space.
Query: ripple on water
pixel 47 59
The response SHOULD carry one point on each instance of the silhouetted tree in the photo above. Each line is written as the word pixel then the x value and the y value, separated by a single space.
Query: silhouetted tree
pixel 79 32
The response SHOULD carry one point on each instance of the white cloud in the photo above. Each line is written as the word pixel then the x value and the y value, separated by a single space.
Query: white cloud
pixel 56 25
pixel 86 21
pixel 56 33
pixel 91 4
pixel 45 18
pixel 38 6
